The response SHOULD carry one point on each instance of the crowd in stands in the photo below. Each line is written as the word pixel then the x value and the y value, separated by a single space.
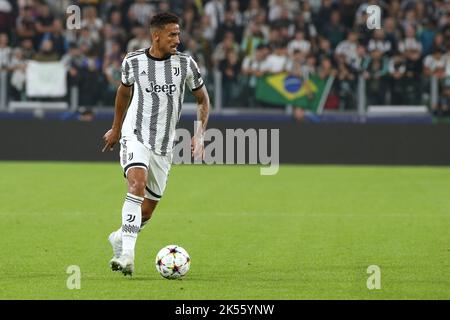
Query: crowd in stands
pixel 243 39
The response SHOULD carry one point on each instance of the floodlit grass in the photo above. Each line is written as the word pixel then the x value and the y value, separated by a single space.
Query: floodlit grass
pixel 309 232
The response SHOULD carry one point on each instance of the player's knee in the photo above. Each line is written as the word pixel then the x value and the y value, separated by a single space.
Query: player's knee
pixel 136 187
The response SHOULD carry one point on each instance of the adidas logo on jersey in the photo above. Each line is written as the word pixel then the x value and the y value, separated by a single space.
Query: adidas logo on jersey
pixel 166 88
pixel 143 73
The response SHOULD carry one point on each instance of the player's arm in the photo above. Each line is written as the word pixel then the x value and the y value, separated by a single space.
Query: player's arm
pixel 123 97
pixel 203 106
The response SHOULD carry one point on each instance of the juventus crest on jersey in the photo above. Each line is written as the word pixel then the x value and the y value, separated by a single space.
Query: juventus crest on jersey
pixel 158 95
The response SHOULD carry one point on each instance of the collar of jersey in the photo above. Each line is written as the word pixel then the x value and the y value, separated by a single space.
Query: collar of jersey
pixel 147 52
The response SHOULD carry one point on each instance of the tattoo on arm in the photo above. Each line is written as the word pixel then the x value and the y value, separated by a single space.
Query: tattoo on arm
pixel 203 107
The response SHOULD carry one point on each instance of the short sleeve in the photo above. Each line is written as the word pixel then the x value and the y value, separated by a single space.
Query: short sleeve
pixel 193 79
pixel 127 74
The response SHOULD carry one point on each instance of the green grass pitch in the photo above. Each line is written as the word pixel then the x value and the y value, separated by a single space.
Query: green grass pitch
pixel 309 232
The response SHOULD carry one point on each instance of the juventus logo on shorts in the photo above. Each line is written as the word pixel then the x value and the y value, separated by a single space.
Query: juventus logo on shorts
pixel 131 218
pixel 130 156
pixel 177 71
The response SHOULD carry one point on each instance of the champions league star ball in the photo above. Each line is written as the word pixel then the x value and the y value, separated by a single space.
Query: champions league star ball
pixel 172 262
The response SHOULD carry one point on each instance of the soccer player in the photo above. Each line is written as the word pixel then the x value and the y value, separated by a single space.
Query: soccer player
pixel 152 89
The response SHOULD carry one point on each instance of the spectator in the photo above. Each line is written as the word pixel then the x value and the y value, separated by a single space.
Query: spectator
pixel 426 35
pixel 90 83
pixel 229 68
pixel 397 71
pixel 18 75
pixel 194 51
pixel 253 37
pixel 116 24
pixel 6 16
pixel 379 43
pixel 141 12
pixel 237 14
pixel 325 51
pixel 438 42
pixel 444 101
pixel 276 8
pixel 47 52
pixel 310 67
pixel 5 51
pixel 410 43
pixel 229 25
pixel 409 19
pixel 57 37
pixel 299 43
pixel 346 84
pixel 27 49
pixel 446 35
pixel 356 64
pixel 113 75
pixel 92 23
pixel 251 71
pixel 215 11
pixel 277 61
pixel 346 10
pixel 188 23
pixel 227 44
pixel 324 71
pixel 412 50
pixel 375 68
pixel 85 39
pixel 208 31
pixel 274 37
pixel 295 67
pixel 435 63
pixel 284 24
pixel 324 14
pixel 113 55
pixel 391 33
pixel 254 8
pixel 26 25
pixel 109 40
pixel 73 60
pixel 347 49
pixel 394 8
pixel 44 22
pixel 304 22
pixel 141 39
pixel 261 20
pixel 334 31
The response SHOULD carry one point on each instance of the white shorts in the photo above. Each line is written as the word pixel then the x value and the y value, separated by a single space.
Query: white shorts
pixel 134 154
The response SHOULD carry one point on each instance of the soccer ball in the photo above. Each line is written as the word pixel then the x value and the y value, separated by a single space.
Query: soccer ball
pixel 172 262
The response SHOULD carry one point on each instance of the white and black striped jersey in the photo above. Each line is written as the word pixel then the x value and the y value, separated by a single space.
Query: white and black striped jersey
pixel 158 95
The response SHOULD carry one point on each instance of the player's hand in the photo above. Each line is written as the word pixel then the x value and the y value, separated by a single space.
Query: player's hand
pixel 197 148
pixel 111 137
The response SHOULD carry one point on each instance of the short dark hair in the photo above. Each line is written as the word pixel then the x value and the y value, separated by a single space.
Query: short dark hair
pixel 161 19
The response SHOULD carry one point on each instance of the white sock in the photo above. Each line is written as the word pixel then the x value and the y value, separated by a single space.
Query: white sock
pixel 118 233
pixel 131 222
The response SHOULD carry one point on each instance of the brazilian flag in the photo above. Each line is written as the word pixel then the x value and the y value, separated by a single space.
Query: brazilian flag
pixel 283 88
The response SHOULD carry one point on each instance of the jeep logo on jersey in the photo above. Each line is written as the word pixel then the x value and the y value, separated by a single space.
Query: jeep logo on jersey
pixel 165 88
